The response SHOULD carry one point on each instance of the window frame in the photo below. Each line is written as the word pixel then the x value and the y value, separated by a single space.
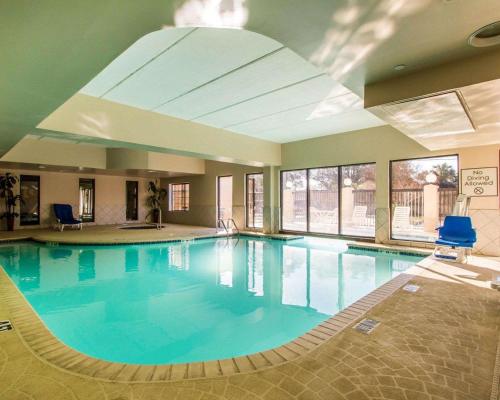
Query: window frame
pixel 136 184
pixel 37 179
pixel 339 183
pixel 247 176
pixel 217 205
pixel 185 199
pixel 390 188
pixel 91 180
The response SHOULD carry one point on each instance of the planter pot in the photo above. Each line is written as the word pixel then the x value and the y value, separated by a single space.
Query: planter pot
pixel 155 216
pixel 10 222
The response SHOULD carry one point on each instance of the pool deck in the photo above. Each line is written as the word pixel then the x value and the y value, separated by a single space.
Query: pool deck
pixel 112 234
pixel 441 342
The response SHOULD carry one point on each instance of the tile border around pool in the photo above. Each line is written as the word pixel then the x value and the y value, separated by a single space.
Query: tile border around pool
pixel 48 348
pixel 159 241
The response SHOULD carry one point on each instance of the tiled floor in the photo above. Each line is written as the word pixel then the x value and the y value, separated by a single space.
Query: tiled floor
pixel 110 234
pixel 438 343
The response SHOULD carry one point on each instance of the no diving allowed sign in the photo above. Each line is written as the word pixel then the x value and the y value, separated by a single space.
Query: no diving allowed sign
pixel 479 182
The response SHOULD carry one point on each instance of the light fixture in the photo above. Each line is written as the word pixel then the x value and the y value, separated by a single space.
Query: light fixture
pixel 486 36
pixel 400 67
pixel 42 166
pixel 347 182
pixel 431 177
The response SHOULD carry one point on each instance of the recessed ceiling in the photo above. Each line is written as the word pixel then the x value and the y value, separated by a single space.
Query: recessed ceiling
pixel 430 116
pixel 233 79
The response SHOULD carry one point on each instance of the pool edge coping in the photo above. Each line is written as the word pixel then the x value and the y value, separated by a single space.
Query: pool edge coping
pixel 45 346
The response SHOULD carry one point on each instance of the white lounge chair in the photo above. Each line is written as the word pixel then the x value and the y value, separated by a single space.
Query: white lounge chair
pixel 401 218
pixel 359 215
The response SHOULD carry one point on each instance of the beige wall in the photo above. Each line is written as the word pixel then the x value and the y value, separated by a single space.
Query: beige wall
pixel 100 119
pixel 50 152
pixel 203 189
pixel 110 201
pixel 383 144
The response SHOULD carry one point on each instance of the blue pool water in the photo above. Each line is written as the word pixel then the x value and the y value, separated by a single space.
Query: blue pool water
pixel 193 301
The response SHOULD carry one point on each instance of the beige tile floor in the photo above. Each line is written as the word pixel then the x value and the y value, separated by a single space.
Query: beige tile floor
pixel 113 234
pixel 110 234
pixel 438 343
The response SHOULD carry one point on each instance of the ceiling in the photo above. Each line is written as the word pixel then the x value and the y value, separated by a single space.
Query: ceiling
pixel 51 49
pixel 233 79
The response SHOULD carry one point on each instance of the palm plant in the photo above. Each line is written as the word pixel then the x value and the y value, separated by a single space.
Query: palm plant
pixel 156 195
pixel 7 183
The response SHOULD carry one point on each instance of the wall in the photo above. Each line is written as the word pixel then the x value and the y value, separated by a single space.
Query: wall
pixel 100 119
pixel 58 187
pixel 203 195
pixel 383 144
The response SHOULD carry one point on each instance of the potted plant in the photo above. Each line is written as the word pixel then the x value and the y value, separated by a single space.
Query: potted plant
pixel 156 195
pixel 7 183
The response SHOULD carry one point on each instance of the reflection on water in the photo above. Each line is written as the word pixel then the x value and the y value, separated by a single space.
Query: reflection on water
pixel 193 301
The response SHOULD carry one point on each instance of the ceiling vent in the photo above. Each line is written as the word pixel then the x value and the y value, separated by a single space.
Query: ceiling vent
pixel 488 35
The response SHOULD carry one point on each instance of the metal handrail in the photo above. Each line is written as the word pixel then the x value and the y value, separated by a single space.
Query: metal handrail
pixel 234 224
pixel 226 227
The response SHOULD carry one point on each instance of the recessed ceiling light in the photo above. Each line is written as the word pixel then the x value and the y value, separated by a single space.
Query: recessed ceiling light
pixel 488 35
pixel 42 166
pixel 399 67
pixel 152 171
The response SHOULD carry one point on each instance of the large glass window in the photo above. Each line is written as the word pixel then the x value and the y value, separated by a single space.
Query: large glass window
pixel 178 197
pixel 294 200
pixel 423 192
pixel 132 206
pixel 310 200
pixel 324 200
pixel 224 197
pixel 255 200
pixel 30 206
pixel 87 199
pixel 358 200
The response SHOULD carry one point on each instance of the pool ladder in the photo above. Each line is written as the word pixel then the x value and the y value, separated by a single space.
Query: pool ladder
pixel 226 227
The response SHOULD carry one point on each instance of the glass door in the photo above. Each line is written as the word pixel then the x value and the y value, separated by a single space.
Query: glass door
pixel 224 197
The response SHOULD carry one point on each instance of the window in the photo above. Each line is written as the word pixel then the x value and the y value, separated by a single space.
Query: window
pixel 30 206
pixel 87 200
pixel 132 206
pixel 224 197
pixel 310 200
pixel 324 200
pixel 423 192
pixel 255 200
pixel 358 200
pixel 294 200
pixel 179 197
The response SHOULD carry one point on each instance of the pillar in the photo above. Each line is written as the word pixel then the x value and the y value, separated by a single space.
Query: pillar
pixel 431 207
pixel 271 200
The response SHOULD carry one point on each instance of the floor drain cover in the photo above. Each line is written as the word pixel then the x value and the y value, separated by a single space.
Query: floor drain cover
pixel 367 326
pixel 5 326
pixel 411 288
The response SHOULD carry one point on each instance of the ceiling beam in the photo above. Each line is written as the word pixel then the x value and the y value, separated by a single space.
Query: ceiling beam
pixel 441 78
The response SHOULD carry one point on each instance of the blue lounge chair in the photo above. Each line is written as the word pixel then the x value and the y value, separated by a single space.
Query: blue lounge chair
pixel 456 238
pixel 64 216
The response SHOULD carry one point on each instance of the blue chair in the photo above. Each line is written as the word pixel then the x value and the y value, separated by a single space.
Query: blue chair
pixel 456 234
pixel 64 216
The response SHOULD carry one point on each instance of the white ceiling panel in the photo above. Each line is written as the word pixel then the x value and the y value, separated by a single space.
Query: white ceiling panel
pixel 360 119
pixel 269 73
pixel 137 55
pixel 325 109
pixel 303 93
pixel 237 80
pixel 200 57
